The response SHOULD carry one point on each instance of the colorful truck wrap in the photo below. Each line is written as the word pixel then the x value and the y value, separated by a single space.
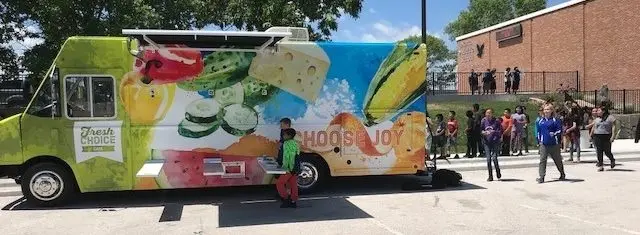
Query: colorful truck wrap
pixel 103 112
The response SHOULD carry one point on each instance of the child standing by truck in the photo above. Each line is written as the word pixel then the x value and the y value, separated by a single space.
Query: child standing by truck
pixel 290 151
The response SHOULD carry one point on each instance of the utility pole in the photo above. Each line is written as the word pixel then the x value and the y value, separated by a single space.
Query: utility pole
pixel 424 21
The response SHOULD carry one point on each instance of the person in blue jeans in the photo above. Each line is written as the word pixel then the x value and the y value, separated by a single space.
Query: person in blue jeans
pixel 549 136
pixel 491 139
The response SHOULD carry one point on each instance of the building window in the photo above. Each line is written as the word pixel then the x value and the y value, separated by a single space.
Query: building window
pixel 90 96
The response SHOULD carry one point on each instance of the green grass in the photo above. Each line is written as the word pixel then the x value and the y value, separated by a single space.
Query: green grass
pixel 461 107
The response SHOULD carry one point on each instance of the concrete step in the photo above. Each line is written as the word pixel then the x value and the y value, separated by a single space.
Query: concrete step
pixel 531 161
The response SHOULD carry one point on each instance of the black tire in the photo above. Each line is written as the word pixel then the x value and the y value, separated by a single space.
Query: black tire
pixel 49 174
pixel 313 174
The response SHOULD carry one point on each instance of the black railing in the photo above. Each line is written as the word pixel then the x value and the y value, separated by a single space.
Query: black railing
pixel 621 101
pixel 530 82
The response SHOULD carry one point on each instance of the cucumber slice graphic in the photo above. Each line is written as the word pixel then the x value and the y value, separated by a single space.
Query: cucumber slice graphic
pixel 196 130
pixel 257 92
pixel 239 119
pixel 222 69
pixel 229 95
pixel 203 111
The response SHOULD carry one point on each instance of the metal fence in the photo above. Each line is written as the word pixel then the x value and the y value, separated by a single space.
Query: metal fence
pixel 623 101
pixel 530 82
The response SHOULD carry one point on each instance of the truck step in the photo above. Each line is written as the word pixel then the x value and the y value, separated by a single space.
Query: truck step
pixel 270 166
pixel 151 168
pixel 213 166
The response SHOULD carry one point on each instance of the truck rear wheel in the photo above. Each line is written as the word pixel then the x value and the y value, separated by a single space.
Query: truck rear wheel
pixel 313 174
pixel 48 184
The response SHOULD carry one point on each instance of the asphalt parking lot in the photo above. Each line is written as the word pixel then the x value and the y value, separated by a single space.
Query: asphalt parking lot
pixel 589 202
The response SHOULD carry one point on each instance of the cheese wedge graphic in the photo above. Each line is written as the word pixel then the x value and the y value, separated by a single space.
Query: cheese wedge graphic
pixel 299 68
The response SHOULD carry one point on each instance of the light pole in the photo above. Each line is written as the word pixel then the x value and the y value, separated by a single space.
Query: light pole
pixel 424 21
pixel 424 40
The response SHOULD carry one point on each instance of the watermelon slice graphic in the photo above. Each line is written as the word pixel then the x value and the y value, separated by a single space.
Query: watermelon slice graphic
pixel 185 169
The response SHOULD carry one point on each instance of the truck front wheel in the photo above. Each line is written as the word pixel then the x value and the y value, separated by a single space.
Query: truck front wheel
pixel 47 184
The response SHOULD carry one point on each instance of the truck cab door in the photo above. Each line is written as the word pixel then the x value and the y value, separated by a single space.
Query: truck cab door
pixel 42 122
pixel 93 133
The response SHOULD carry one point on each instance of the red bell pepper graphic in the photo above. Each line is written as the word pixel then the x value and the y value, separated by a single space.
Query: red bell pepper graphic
pixel 166 65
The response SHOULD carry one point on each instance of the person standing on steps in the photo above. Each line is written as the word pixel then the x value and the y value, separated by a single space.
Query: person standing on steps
pixel 452 137
pixel 507 80
pixel 491 137
pixel 429 137
pixel 517 131
pixel 486 82
pixel 507 126
pixel 603 136
pixel 535 126
pixel 473 82
pixel 477 118
pixel 525 135
pixel 439 138
pixel 572 131
pixel 515 80
pixel 549 135
pixel 472 147
pixel 494 85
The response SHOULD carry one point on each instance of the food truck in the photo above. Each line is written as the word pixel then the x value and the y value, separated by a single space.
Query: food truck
pixel 172 109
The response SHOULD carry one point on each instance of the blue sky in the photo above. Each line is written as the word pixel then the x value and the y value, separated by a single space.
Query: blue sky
pixel 386 20
pixel 380 21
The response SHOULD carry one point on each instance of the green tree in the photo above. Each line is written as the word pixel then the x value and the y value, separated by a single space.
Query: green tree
pixel 9 68
pixel 11 28
pixel 59 19
pixel 484 13
pixel 436 49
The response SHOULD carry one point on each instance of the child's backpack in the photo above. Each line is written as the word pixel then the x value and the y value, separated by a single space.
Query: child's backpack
pixel 296 165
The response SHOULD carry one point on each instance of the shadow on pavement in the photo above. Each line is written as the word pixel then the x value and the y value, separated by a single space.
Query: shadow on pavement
pixel 565 180
pixel 250 205
pixel 621 170
pixel 511 180
pixel 259 213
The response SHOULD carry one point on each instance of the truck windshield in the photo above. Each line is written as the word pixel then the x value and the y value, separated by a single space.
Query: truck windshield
pixel 45 103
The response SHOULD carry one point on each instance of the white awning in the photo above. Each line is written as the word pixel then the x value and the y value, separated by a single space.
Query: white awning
pixel 204 40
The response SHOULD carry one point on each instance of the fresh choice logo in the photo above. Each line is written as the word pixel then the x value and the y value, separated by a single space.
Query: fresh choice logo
pixel 98 139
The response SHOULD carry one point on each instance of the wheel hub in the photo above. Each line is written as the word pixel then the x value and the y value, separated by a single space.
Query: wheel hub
pixel 46 185
pixel 308 175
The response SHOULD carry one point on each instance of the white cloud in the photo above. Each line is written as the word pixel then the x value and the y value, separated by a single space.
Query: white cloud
pixel 383 31
pixel 19 47
pixel 372 11
pixel 348 35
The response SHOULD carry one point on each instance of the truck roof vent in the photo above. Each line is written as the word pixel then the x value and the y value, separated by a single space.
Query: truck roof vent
pixel 298 34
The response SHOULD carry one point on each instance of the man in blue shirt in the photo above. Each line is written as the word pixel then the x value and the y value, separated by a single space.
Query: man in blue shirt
pixel 549 129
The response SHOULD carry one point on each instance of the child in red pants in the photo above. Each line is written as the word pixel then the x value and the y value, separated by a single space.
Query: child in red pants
pixel 290 150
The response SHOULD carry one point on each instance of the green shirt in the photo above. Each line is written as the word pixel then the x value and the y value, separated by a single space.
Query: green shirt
pixel 290 151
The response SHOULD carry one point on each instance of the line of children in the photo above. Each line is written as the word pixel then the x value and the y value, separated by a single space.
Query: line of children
pixel 446 136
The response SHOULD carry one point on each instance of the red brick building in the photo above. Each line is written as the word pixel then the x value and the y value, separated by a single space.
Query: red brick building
pixel 600 39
